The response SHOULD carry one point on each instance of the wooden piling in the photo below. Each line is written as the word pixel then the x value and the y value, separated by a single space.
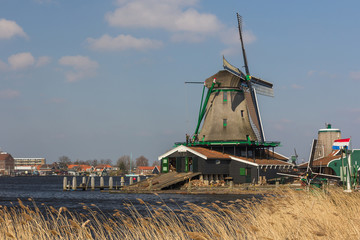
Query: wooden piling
pixel 83 183
pixel 131 181
pixel 138 179
pixel 92 183
pixel 74 183
pixel 111 183
pixel 65 184
pixel 122 182
pixel 101 183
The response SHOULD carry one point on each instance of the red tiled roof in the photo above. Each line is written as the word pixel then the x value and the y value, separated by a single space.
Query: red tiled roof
pixel 218 155
pixel 264 161
pixel 145 168
pixel 276 155
pixel 102 166
pixel 324 161
pixel 82 167
pixel 210 153
pixel 4 156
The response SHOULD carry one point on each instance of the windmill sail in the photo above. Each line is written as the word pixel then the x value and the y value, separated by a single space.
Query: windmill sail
pixel 232 69
pixel 262 87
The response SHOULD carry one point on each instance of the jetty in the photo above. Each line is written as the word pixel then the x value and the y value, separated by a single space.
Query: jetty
pixel 164 181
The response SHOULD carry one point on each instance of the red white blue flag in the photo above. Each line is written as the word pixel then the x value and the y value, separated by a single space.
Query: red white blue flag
pixel 341 143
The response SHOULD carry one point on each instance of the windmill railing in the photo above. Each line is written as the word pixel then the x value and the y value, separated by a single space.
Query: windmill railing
pixel 244 143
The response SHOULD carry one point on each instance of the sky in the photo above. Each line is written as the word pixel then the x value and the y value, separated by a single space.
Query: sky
pixel 93 79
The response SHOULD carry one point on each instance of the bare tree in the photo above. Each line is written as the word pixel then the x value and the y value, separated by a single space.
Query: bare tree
pixel 123 163
pixel 142 161
pixel 106 161
pixel 93 163
pixel 79 162
pixel 64 161
pixel 155 163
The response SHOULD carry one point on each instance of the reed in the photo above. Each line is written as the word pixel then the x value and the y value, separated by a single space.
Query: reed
pixel 285 214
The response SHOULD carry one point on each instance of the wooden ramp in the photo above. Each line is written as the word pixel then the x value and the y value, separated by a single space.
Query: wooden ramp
pixel 162 181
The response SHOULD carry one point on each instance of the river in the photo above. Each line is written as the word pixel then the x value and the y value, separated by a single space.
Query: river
pixel 47 191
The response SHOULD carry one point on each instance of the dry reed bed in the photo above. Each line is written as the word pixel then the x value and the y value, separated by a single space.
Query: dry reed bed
pixel 287 214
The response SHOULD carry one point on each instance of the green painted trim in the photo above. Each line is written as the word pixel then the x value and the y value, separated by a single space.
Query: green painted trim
pixel 248 143
pixel 201 116
pixel 329 130
pixel 202 99
pixel 227 90
pixel 164 165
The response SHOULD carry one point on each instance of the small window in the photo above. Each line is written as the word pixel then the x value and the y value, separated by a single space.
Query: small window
pixel 242 171
pixel 224 122
pixel 225 96
pixel 217 162
pixel 242 113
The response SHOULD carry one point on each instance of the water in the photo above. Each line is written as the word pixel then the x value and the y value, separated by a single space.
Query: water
pixel 48 190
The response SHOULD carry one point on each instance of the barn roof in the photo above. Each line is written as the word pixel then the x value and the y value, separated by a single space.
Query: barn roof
pixel 211 154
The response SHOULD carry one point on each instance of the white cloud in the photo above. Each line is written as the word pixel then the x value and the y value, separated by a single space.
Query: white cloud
pixel 355 75
pixel 21 61
pixel 171 15
pixel 295 86
pixel 83 67
pixel 122 42
pixel 282 124
pixel 9 94
pixel 42 61
pixel 322 74
pixel 10 29
pixel 231 38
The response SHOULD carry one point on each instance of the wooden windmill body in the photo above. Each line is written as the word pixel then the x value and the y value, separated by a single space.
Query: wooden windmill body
pixel 230 112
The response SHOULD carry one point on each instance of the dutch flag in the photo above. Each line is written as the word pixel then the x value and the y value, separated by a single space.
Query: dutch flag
pixel 341 143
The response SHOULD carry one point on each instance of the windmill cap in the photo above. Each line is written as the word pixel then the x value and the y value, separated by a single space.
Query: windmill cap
pixel 225 79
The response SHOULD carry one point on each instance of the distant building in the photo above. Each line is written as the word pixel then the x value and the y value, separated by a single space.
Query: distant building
pixel 103 169
pixel 29 161
pixel 142 170
pixel 77 169
pixel 326 138
pixel 45 169
pixel 6 163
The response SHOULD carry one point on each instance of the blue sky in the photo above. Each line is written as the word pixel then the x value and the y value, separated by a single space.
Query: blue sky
pixel 101 79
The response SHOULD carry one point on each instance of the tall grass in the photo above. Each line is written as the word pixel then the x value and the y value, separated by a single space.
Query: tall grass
pixel 286 214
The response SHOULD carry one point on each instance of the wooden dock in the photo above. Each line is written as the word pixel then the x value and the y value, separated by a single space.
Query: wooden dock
pixel 162 181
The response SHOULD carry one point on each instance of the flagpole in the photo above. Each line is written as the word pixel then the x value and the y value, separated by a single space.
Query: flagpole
pixel 348 175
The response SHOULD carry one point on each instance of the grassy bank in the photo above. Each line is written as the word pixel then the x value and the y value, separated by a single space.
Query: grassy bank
pixel 287 215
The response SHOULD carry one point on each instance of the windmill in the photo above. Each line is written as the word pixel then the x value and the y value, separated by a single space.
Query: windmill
pixel 229 112
pixel 309 177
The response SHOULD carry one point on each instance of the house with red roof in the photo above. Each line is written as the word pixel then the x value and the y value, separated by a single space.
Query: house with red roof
pixel 7 163
pixel 215 165
pixel 77 169
pixel 145 170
